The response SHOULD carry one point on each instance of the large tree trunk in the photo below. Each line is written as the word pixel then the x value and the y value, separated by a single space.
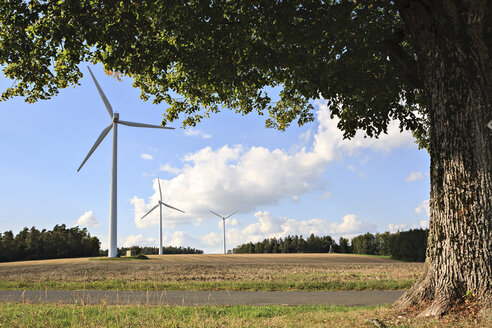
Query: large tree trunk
pixel 456 70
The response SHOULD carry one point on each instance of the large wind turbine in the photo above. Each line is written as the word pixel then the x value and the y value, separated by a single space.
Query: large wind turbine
pixel 223 224
pixel 115 118
pixel 160 214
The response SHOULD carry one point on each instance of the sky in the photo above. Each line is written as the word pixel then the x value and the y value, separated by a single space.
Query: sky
pixel 305 180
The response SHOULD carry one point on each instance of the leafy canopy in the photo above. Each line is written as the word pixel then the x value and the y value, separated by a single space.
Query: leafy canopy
pixel 198 56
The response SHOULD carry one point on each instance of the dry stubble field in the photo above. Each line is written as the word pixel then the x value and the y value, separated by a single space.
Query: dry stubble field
pixel 214 272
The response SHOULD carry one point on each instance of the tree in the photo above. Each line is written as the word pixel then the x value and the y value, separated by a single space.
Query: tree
pixel 344 246
pixel 425 63
pixel 383 243
pixel 364 244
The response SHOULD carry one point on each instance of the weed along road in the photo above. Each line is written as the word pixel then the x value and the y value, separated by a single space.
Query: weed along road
pixel 345 298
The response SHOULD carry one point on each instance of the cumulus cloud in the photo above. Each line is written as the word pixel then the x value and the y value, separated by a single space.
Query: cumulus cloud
pixel 234 176
pixel 146 156
pixel 423 207
pixel 414 176
pixel 168 168
pixel 197 133
pixel 88 220
pixel 269 226
pixel 139 240
pixel 181 238
pixel 104 241
pixel 397 227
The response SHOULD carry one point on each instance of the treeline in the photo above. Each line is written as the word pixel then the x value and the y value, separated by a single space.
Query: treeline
pixel 154 250
pixel 289 244
pixel 32 244
pixel 403 245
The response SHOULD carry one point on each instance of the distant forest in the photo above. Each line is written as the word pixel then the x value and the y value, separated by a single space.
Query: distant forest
pixel 403 245
pixel 32 244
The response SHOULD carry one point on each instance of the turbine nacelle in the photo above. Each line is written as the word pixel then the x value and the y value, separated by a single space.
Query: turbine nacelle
pixel 116 117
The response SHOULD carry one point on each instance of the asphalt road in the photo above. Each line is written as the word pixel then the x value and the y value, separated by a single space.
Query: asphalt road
pixel 346 298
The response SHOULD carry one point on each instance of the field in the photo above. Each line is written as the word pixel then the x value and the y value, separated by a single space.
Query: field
pixel 214 272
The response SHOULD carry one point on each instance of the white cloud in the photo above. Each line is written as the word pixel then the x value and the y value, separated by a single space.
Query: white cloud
pixel 236 177
pixel 424 224
pixel 88 220
pixel 233 222
pixel 146 156
pixel 104 241
pixel 197 133
pixel 397 227
pixel 414 176
pixel 269 226
pixel 424 206
pixel 139 240
pixel 181 238
pixel 168 168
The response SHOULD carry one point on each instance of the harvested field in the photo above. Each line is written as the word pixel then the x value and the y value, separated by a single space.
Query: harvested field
pixel 214 272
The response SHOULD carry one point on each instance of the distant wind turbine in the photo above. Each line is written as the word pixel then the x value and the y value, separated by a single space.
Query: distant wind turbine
pixel 223 224
pixel 115 118
pixel 160 214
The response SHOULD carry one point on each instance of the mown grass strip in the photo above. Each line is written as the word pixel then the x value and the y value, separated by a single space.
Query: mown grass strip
pixel 50 315
pixel 129 316
pixel 119 284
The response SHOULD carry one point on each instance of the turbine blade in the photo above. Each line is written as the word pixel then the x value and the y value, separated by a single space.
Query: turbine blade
pixel 143 125
pixel 153 208
pixel 103 96
pixel 231 214
pixel 103 134
pixel 160 192
pixel 220 216
pixel 174 208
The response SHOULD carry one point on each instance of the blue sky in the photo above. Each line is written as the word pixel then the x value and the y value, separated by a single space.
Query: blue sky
pixel 305 180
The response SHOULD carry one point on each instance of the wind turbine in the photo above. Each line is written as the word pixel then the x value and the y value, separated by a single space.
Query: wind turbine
pixel 160 214
pixel 115 118
pixel 223 224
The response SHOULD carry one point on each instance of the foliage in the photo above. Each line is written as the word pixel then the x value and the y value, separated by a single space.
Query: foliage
pixel 409 245
pixel 289 244
pixel 32 244
pixel 199 56
pixel 365 244
pixel 405 245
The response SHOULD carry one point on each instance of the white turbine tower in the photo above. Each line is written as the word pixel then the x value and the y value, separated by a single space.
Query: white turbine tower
pixel 115 118
pixel 223 224
pixel 160 214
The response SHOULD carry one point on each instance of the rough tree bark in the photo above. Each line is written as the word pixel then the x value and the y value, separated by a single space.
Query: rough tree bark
pixel 456 70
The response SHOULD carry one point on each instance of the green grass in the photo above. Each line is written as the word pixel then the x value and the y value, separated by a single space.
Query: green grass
pixel 56 315
pixel 288 284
